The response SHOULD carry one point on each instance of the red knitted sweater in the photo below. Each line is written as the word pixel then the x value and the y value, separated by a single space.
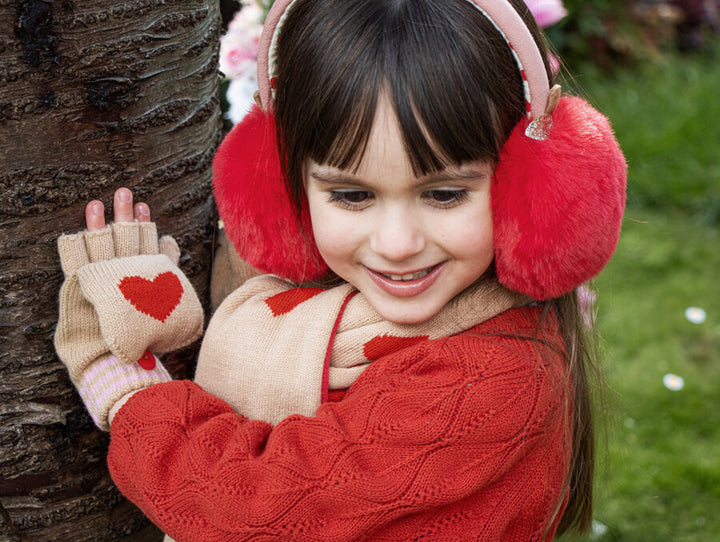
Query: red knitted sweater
pixel 461 438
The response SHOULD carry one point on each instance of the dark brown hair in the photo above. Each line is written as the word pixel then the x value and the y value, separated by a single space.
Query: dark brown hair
pixel 436 60
pixel 457 93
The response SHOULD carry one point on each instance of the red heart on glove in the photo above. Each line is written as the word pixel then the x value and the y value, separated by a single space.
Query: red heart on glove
pixel 157 297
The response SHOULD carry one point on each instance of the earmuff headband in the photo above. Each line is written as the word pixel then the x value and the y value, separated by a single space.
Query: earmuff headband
pixel 558 192
pixel 499 12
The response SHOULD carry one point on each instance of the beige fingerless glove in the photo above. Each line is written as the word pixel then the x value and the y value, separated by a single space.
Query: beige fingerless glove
pixel 123 300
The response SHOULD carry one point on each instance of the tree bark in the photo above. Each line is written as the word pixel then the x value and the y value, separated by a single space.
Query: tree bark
pixel 93 96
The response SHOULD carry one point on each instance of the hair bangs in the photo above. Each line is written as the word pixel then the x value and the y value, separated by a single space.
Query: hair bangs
pixel 448 73
pixel 343 133
pixel 444 82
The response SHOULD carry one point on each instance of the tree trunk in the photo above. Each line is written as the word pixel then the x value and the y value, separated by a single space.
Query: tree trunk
pixel 93 96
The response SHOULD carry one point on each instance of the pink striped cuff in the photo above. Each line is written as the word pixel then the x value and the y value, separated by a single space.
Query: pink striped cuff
pixel 108 379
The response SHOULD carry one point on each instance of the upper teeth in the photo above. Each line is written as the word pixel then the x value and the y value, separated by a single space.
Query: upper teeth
pixel 409 276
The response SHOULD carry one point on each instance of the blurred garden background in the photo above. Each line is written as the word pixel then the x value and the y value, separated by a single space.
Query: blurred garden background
pixel 654 68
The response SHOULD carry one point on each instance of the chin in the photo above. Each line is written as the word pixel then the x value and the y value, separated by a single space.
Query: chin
pixel 410 315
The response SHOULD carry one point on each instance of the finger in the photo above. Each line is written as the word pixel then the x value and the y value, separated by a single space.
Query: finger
pixel 123 205
pixel 95 215
pixel 126 239
pixel 73 254
pixel 168 246
pixel 148 237
pixel 142 212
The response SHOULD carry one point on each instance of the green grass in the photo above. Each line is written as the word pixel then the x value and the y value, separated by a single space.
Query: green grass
pixel 663 467
pixel 667 117
pixel 661 477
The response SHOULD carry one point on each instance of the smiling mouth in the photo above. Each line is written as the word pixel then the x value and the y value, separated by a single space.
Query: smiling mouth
pixel 409 276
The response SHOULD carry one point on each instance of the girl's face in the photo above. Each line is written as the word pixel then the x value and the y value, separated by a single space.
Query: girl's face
pixel 408 244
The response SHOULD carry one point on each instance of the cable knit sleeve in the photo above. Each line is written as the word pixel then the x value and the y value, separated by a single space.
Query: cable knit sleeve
pixel 454 439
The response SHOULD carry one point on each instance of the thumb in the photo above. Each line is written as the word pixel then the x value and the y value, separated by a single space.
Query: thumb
pixel 169 247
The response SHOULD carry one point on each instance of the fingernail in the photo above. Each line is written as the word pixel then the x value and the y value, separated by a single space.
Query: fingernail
pixel 124 195
pixel 97 209
pixel 143 209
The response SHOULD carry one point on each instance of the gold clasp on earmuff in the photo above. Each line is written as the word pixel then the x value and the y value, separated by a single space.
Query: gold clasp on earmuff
pixel 539 128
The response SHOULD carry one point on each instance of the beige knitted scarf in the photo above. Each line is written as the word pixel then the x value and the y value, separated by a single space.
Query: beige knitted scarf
pixel 272 349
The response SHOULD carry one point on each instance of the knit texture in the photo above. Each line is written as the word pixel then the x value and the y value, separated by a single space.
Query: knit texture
pixel 122 298
pixel 458 438
pixel 265 351
pixel 107 380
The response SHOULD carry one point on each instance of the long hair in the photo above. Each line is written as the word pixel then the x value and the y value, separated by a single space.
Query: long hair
pixel 584 376
pixel 457 93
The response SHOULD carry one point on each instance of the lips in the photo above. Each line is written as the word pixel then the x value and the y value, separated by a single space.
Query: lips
pixel 406 284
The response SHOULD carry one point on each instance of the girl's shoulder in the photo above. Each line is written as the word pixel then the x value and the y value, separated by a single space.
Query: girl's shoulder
pixel 536 321
pixel 526 338
pixel 523 340
pixel 519 332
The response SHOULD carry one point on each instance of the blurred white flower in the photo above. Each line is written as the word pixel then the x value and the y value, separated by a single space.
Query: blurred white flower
pixel 696 315
pixel 673 382
pixel 241 95
pixel 599 529
pixel 547 12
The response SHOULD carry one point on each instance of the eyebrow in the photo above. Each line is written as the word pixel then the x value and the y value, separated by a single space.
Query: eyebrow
pixel 332 177
pixel 339 177
pixel 462 175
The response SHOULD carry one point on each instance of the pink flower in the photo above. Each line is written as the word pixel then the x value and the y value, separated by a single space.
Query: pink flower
pixel 238 55
pixel 547 12
pixel 239 46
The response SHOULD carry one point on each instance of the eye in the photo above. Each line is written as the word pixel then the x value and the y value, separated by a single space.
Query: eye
pixel 445 197
pixel 354 200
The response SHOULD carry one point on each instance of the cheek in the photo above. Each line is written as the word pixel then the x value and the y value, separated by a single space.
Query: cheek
pixel 334 239
pixel 475 247
pixel 483 244
pixel 470 237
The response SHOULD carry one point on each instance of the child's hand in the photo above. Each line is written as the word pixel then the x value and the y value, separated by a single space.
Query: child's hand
pixel 124 300
pixel 123 211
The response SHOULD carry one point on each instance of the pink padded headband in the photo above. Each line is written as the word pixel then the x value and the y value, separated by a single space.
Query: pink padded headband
pixel 499 12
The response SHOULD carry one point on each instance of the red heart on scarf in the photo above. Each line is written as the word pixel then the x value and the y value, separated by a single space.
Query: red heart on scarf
pixel 286 301
pixel 383 345
pixel 157 297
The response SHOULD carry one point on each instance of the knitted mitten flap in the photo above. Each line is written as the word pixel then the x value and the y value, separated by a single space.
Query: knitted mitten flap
pixel 123 298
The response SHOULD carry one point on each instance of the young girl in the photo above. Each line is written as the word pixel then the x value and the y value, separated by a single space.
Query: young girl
pixel 415 367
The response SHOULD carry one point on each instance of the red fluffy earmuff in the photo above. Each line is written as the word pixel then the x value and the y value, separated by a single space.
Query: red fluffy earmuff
pixel 259 218
pixel 558 203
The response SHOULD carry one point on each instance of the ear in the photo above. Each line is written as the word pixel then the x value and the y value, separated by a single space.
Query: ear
pixel 558 203
pixel 254 205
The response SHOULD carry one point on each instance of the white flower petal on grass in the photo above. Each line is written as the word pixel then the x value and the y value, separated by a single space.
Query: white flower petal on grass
pixel 599 529
pixel 696 315
pixel 673 382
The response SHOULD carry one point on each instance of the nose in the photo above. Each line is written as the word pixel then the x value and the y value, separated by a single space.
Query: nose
pixel 397 234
